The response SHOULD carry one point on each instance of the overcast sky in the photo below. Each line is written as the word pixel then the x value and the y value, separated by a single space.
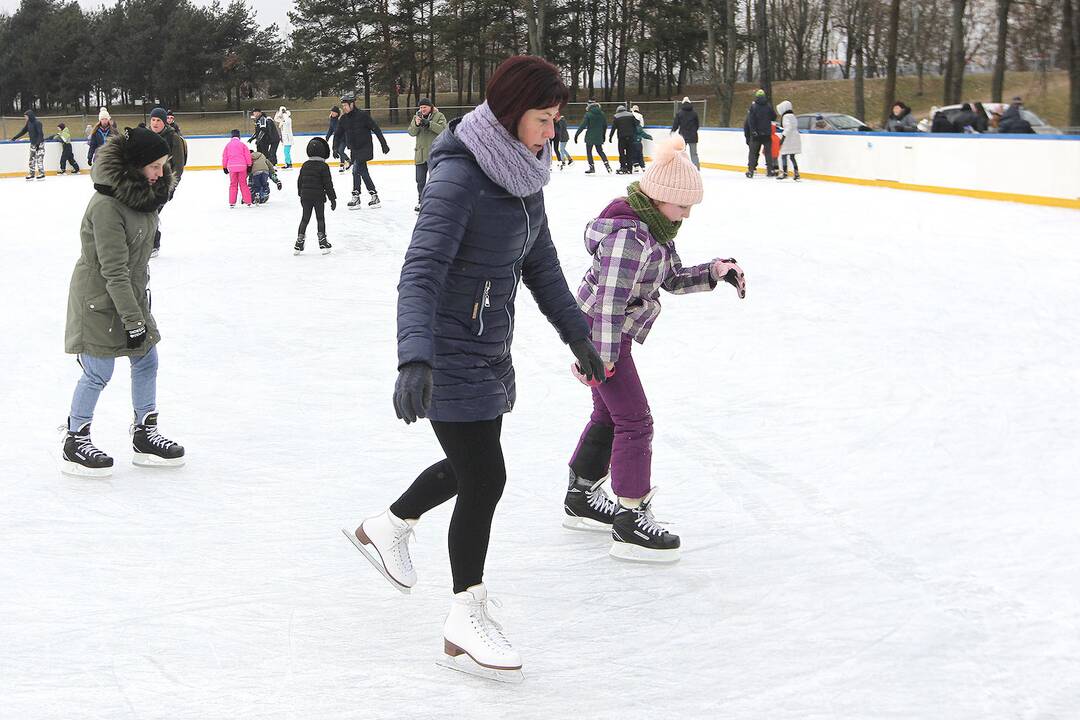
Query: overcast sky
pixel 267 11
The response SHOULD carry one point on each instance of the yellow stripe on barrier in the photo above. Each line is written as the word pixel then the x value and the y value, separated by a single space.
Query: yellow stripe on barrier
pixel 1072 204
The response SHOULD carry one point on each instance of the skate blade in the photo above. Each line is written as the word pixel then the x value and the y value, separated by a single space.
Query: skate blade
pixel 629 552
pixel 375 561
pixel 148 460
pixel 326 251
pixel 572 522
pixel 465 664
pixel 296 252
pixel 72 469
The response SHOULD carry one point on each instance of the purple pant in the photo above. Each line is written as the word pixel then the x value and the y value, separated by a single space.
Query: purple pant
pixel 619 432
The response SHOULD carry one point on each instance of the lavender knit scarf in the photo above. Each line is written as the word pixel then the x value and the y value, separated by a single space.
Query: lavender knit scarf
pixel 501 156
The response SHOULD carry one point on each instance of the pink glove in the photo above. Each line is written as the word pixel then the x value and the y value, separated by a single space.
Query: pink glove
pixel 729 271
pixel 576 372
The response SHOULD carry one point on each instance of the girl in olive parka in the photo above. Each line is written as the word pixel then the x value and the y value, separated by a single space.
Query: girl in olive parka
pixel 108 312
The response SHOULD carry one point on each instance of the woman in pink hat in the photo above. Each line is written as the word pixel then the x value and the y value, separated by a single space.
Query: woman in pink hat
pixel 633 249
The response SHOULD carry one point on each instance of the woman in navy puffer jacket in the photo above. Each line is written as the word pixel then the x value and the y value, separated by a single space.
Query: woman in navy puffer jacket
pixel 482 228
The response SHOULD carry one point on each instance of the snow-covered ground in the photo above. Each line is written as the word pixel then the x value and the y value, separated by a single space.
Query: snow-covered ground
pixel 872 462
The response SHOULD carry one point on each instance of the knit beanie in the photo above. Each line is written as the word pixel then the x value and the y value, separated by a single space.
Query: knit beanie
pixel 235 133
pixel 103 114
pixel 317 147
pixel 425 101
pixel 672 177
pixel 159 113
pixel 143 146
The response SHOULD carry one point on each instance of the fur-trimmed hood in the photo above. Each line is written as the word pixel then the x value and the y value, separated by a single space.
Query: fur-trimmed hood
pixel 115 177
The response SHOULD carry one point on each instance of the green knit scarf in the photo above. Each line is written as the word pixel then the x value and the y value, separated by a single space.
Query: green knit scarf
pixel 661 228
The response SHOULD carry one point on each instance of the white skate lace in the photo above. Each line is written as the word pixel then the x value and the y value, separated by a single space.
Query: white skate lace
pixel 598 499
pixel 647 522
pixel 157 439
pixel 86 447
pixel 401 546
pixel 487 626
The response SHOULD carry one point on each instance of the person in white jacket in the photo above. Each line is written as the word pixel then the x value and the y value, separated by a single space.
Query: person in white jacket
pixel 283 119
pixel 790 140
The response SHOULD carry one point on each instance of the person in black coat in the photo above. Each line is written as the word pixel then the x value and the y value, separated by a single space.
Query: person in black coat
pixel 982 119
pixel 314 185
pixel 757 129
pixel 965 119
pixel 558 143
pixel 355 127
pixel 625 125
pixel 942 124
pixel 1013 120
pixel 34 132
pixel 686 123
pixel 266 137
pixel 337 143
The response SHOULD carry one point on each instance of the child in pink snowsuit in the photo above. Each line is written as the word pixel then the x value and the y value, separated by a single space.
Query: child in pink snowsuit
pixel 633 249
pixel 235 161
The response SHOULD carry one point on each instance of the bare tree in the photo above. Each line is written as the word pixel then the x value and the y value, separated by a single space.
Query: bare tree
pixel 890 60
pixel 954 70
pixel 764 69
pixel 998 83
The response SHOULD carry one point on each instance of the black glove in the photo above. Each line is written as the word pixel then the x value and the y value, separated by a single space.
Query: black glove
pixel 333 204
pixel 412 392
pixel 588 360
pixel 225 170
pixel 135 337
pixel 385 149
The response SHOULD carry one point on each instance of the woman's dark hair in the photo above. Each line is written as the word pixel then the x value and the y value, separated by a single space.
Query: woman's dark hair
pixel 522 83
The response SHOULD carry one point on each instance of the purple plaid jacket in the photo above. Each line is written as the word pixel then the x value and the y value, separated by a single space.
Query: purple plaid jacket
pixel 621 291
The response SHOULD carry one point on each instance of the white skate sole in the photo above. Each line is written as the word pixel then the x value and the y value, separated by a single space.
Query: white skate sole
pixel 76 470
pixel 454 658
pixel 635 553
pixel 326 251
pixel 573 522
pixel 376 560
pixel 148 460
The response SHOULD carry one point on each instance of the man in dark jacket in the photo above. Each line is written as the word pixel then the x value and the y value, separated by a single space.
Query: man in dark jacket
pixel 686 124
pixel 941 123
pixel 757 128
pixel 355 127
pixel 625 125
pixel 266 136
pixel 337 143
pixel 1013 120
pixel 177 157
pixel 36 135
pixel 170 120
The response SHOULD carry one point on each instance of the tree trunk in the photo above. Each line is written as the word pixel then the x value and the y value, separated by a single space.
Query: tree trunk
pixel 860 95
pixel 749 43
pixel 765 70
pixel 998 83
pixel 890 61
pixel 1073 16
pixel 954 82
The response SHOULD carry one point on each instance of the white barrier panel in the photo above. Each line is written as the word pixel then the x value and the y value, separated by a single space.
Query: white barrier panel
pixel 1033 168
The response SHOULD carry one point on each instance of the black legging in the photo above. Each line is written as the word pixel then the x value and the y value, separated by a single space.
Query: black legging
pixel 626 157
pixel 319 206
pixel 794 164
pixel 599 150
pixel 474 471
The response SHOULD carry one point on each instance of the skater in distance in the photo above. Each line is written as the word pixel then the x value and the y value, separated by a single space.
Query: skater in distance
pixel 108 312
pixel 482 230
pixel 633 247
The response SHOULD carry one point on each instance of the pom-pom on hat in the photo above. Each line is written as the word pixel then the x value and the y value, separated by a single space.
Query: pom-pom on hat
pixel 103 114
pixel 672 177
pixel 317 147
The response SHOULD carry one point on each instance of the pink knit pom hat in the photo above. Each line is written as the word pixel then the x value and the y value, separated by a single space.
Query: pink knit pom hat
pixel 672 177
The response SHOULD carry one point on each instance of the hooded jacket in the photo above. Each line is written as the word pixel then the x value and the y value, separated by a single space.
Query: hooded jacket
pixel 625 125
pixel 473 243
pixel 236 157
pixel 904 123
pixel 759 119
pixel 792 142
pixel 32 128
pixel 593 124
pixel 107 295
pixel 562 134
pixel 1012 121
pixel 686 123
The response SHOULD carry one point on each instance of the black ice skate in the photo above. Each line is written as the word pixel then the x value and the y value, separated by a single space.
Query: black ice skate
pixel 354 204
pixel 750 173
pixel 41 175
pixel 80 458
pixel 591 170
pixel 30 176
pixel 374 201
pixel 299 246
pixel 636 536
pixel 152 449
pixel 607 167
pixel 782 175
pixel 587 506
pixel 796 176
pixel 324 244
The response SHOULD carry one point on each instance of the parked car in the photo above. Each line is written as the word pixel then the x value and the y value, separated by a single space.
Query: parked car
pixel 951 111
pixel 830 121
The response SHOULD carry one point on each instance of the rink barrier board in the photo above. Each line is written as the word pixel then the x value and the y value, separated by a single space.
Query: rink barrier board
pixel 990 168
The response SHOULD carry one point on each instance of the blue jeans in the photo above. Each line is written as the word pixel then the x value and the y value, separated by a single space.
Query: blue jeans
pixel 563 155
pixel 260 184
pixel 97 371
pixel 360 171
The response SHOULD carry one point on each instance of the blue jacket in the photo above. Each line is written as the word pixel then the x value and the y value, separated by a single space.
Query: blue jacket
pixel 98 137
pixel 472 243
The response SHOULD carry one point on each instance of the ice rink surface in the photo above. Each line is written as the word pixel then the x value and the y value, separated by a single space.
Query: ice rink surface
pixel 873 463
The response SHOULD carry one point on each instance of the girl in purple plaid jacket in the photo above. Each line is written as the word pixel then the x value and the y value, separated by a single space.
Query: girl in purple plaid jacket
pixel 633 249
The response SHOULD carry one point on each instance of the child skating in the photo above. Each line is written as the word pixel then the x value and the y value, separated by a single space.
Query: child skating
pixel 67 157
pixel 261 171
pixel 235 162
pixel 790 140
pixel 315 185
pixel 633 249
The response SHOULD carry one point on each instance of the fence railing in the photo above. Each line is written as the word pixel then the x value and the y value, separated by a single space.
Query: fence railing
pixel 316 120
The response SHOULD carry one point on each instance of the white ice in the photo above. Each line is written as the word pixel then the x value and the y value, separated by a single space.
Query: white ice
pixel 872 462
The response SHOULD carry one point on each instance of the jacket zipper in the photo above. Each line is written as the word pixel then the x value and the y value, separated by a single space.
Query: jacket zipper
pixel 513 294
pixel 478 310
